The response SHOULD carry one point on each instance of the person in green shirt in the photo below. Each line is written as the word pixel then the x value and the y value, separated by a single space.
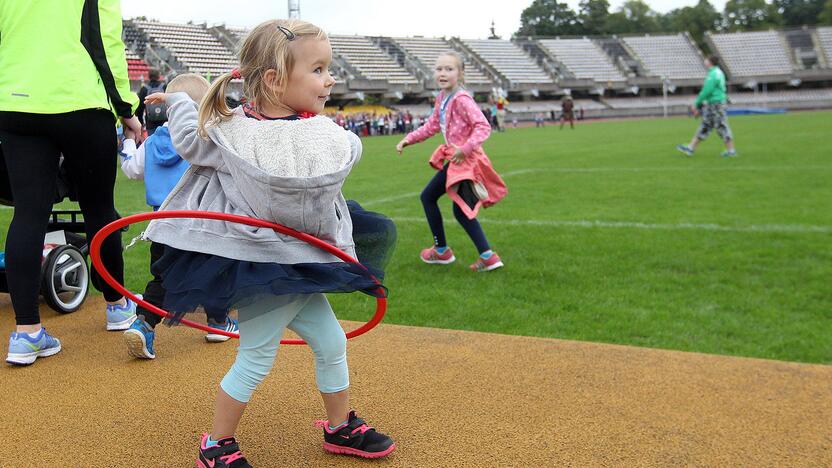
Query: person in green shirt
pixel 711 100
pixel 63 82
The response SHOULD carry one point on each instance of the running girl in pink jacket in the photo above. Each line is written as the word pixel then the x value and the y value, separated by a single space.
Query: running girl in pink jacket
pixel 465 172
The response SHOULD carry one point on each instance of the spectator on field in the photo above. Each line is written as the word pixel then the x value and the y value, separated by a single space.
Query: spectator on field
pixel 153 116
pixel 712 101
pixel 47 48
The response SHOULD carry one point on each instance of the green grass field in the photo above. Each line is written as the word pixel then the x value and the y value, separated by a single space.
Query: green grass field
pixel 609 235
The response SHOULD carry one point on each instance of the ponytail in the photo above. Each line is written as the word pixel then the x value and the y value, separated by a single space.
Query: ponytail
pixel 213 107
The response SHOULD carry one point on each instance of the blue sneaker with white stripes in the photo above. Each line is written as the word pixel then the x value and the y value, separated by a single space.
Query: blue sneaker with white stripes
pixel 23 349
pixel 230 325
pixel 120 317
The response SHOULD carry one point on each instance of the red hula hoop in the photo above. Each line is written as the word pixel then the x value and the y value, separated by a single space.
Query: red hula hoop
pixel 98 239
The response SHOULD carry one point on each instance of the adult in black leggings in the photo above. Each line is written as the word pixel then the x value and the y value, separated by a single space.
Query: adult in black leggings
pixel 63 83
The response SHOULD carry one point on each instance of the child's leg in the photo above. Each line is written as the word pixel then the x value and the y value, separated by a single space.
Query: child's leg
pixel 261 328
pixel 473 228
pixel 154 292
pixel 317 325
pixel 430 196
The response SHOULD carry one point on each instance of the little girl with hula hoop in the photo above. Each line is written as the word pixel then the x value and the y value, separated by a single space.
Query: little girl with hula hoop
pixel 272 159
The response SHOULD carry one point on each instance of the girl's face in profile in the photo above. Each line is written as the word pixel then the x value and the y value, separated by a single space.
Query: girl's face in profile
pixel 310 83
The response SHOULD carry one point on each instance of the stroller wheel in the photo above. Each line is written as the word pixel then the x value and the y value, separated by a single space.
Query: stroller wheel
pixel 65 279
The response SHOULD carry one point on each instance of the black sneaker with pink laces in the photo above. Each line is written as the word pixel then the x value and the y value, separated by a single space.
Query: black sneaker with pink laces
pixel 356 438
pixel 226 454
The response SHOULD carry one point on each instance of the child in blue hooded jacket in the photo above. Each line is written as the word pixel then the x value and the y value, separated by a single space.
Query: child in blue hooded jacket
pixel 157 162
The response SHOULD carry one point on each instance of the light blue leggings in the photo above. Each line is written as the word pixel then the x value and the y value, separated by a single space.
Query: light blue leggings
pixel 261 327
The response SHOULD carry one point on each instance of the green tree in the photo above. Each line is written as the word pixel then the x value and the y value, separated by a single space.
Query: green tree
pixel 549 18
pixel 593 15
pixel 825 16
pixel 634 16
pixel 744 15
pixel 696 20
pixel 799 12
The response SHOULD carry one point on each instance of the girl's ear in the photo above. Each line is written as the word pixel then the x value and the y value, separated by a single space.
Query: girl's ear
pixel 270 78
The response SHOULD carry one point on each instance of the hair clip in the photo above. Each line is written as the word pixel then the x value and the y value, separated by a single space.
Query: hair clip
pixel 235 73
pixel 290 36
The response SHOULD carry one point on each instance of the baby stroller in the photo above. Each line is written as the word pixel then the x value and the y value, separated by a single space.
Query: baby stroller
pixel 64 271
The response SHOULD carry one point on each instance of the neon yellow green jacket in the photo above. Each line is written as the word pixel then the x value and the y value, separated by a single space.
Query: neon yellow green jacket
pixel 46 50
pixel 713 90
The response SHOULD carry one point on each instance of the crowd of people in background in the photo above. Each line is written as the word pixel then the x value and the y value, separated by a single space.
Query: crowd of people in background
pixel 402 122
pixel 373 123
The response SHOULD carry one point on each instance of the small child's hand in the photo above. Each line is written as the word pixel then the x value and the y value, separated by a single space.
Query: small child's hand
pixel 132 129
pixel 401 145
pixel 458 156
pixel 156 98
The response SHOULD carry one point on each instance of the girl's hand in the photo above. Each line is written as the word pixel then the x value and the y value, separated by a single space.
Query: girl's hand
pixel 156 98
pixel 458 156
pixel 401 145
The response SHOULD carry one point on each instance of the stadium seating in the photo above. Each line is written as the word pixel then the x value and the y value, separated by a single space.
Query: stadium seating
pixel 191 45
pixel 825 37
pixel 753 54
pixel 136 67
pixel 134 39
pixel 539 69
pixel 369 60
pixel 649 102
pixel 427 49
pixel 671 56
pixel 583 58
pixel 508 59
pixel 546 106
pixel 782 97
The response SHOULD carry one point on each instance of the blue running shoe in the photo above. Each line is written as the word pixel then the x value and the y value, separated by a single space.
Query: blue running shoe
pixel 685 149
pixel 120 317
pixel 139 338
pixel 729 154
pixel 230 326
pixel 23 349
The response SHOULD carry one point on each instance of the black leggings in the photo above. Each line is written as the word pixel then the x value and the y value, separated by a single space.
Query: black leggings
pixel 32 145
pixel 430 195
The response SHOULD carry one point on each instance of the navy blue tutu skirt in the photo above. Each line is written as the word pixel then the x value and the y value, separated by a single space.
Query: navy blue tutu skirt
pixel 194 279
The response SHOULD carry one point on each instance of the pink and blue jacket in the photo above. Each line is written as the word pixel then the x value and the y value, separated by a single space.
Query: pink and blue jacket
pixel 466 128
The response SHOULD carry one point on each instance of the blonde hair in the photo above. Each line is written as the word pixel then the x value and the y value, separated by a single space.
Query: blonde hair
pixel 459 61
pixel 267 47
pixel 191 84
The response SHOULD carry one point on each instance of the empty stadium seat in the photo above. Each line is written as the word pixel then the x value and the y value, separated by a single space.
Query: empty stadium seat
pixel 748 54
pixel 670 56
pixel 191 45
pixel 372 62
pixel 825 37
pixel 428 49
pixel 508 59
pixel 584 59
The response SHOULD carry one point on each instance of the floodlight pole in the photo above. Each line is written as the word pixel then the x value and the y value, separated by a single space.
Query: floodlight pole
pixel 294 9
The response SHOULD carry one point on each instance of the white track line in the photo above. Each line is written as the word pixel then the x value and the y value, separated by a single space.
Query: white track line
pixel 579 170
pixel 765 228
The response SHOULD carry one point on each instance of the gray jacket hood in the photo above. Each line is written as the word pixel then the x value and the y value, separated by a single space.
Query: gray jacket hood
pixel 286 171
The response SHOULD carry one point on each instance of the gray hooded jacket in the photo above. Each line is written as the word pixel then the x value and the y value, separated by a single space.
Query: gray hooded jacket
pixel 285 171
